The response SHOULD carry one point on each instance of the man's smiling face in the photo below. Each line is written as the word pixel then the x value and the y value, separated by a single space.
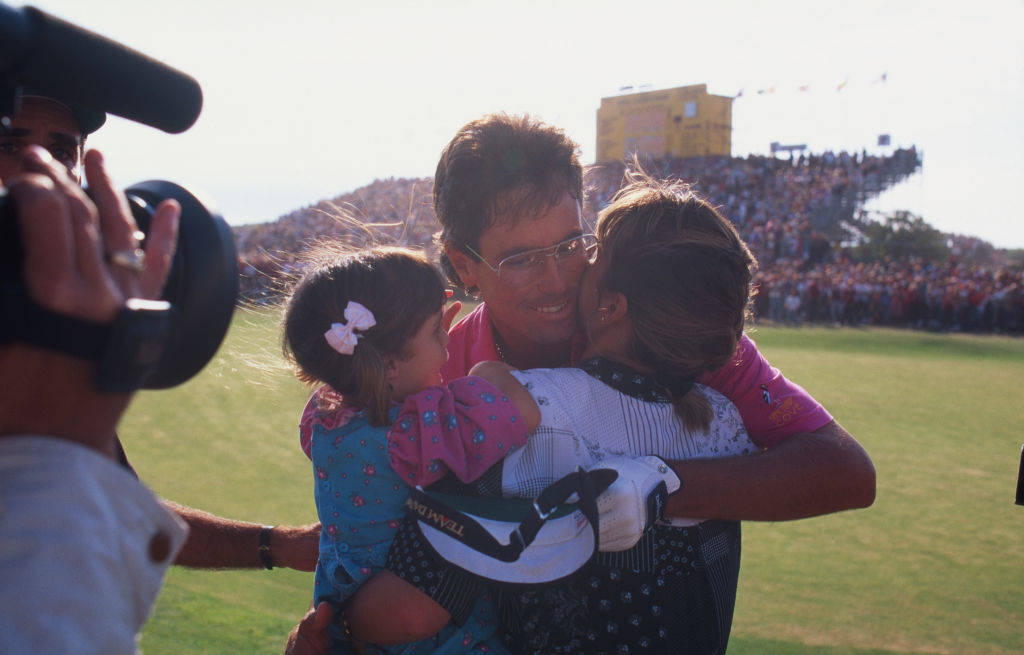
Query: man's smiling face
pixel 543 311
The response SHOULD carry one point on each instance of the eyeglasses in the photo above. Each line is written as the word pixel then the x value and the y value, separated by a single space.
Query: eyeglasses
pixel 525 267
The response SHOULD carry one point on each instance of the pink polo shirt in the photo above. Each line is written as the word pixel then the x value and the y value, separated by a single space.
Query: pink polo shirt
pixel 772 407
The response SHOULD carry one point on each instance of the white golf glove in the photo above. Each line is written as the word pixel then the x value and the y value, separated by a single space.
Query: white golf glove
pixel 634 501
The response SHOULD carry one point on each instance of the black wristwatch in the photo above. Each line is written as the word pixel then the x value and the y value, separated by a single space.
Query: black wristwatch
pixel 266 558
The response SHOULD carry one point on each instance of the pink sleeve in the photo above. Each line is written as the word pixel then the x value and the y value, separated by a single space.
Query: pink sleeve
pixel 772 407
pixel 326 408
pixel 463 429
pixel 306 427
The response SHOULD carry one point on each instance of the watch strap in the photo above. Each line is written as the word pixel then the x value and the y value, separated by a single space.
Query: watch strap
pixel 266 557
pixel 26 322
pixel 126 350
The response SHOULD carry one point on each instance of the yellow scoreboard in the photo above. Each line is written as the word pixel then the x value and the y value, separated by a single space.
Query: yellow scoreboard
pixel 683 122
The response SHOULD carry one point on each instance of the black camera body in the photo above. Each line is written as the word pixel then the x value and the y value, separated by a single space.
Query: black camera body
pixel 155 350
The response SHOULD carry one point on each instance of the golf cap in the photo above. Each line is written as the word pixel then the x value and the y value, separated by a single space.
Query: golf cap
pixel 89 119
pixel 512 540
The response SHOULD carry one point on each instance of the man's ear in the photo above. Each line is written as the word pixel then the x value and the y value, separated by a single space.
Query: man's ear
pixel 465 266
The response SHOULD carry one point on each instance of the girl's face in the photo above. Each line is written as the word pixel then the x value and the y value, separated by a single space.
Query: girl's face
pixel 603 313
pixel 425 354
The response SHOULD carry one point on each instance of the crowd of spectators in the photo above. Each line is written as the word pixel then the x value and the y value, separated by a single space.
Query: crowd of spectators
pixel 913 293
pixel 395 211
pixel 791 212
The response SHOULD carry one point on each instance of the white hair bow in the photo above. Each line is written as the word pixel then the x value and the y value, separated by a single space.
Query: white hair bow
pixel 342 336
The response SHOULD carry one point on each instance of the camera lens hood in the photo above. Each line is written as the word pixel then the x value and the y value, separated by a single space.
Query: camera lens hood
pixel 202 285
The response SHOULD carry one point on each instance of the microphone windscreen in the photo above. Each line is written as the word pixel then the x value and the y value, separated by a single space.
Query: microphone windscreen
pixel 72 64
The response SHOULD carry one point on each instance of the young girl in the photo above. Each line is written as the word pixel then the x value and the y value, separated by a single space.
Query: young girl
pixel 664 300
pixel 369 327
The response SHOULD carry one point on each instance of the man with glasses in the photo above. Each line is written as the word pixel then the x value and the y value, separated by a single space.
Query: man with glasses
pixel 508 193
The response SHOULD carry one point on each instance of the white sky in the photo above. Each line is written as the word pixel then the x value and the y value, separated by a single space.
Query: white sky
pixel 307 100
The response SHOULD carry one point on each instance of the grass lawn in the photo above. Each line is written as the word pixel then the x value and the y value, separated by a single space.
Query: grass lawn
pixel 935 566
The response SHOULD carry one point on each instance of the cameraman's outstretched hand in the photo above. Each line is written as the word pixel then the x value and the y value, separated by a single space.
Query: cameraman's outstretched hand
pixel 68 242
pixel 68 239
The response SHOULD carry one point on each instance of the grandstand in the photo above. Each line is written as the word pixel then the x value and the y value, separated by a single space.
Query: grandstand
pixel 799 216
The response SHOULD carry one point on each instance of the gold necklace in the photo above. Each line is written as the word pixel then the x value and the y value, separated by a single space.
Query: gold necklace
pixel 498 347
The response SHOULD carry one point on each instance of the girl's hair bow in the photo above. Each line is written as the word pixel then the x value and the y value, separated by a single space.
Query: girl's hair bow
pixel 342 336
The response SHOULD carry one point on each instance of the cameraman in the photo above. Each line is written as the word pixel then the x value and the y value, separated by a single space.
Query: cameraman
pixel 83 545
pixel 213 542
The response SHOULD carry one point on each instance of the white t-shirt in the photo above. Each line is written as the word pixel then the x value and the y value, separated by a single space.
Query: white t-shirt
pixel 83 549
pixel 583 420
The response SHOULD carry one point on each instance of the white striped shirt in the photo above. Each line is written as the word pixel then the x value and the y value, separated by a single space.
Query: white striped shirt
pixel 583 420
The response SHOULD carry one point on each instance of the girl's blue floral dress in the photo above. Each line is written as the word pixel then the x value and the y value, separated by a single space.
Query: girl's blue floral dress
pixel 360 500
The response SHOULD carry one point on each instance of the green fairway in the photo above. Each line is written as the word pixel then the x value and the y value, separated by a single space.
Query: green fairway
pixel 935 566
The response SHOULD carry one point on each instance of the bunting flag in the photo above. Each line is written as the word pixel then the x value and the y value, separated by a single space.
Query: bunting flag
pixel 806 88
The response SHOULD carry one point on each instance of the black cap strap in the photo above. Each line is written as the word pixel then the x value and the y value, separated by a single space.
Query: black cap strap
pixel 587 485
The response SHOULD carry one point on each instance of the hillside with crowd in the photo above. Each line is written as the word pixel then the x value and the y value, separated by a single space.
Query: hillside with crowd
pixel 822 258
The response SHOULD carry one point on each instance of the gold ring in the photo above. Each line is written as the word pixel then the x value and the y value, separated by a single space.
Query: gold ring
pixel 132 259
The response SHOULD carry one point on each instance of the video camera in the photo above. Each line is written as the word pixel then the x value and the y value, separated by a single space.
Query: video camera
pixel 65 62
